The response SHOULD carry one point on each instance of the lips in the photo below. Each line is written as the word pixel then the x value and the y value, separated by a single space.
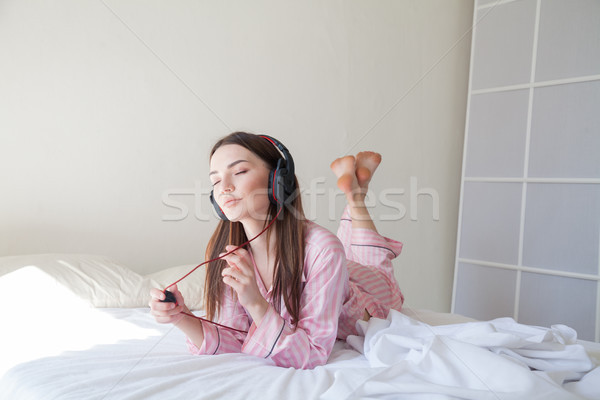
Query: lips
pixel 230 202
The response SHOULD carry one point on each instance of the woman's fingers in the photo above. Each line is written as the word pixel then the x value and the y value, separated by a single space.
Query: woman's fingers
pixel 240 276
pixel 236 285
pixel 171 315
pixel 160 308
pixel 165 312
pixel 234 259
pixel 166 319
pixel 240 252
pixel 240 258
pixel 235 274
pixel 157 294
pixel 178 296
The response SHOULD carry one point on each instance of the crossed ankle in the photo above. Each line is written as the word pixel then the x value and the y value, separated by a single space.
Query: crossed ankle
pixel 356 198
pixel 359 208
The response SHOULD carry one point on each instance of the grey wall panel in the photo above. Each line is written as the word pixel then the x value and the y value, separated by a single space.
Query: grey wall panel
pixel 503 44
pixel 497 130
pixel 562 227
pixel 485 293
pixel 546 300
pixel 569 39
pixel 565 131
pixel 490 222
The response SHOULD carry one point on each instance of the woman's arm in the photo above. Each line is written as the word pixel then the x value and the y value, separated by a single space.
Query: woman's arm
pixel 240 276
pixel 192 328
pixel 219 340
pixel 165 313
pixel 202 337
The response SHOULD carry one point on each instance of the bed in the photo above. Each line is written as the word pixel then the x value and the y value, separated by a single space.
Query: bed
pixel 78 327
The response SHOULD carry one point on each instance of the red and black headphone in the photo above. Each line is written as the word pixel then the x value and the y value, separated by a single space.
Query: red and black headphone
pixel 282 183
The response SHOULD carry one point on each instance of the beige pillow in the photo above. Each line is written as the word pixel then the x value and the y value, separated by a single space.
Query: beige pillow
pixel 192 287
pixel 105 283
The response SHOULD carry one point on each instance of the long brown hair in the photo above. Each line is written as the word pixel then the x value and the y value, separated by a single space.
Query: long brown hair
pixel 289 230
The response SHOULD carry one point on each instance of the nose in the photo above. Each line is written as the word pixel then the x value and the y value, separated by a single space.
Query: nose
pixel 226 186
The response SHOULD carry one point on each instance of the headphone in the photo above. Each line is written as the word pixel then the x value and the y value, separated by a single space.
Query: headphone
pixel 282 182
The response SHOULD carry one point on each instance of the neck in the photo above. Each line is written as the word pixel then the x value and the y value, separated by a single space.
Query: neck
pixel 259 245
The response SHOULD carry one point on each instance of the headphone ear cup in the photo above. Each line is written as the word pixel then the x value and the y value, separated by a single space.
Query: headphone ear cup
pixel 280 191
pixel 272 186
pixel 218 210
pixel 278 194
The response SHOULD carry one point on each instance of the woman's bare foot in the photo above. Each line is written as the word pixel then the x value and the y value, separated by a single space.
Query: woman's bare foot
pixel 366 164
pixel 344 169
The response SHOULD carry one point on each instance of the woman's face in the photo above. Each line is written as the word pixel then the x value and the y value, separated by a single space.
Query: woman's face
pixel 240 182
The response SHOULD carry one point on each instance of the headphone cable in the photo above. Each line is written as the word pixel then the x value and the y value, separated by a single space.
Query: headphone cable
pixel 218 258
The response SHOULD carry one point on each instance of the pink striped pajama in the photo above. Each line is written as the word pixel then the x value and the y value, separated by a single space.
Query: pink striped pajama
pixel 342 277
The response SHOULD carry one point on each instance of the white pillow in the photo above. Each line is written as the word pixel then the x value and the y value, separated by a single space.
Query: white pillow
pixel 435 318
pixel 104 283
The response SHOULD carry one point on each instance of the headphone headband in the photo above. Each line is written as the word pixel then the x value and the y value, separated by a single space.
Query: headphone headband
pixel 289 161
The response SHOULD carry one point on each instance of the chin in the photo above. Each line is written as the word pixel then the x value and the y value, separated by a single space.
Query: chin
pixel 238 215
pixel 233 217
pixel 242 214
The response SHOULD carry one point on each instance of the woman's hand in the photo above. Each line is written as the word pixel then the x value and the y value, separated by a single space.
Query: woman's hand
pixel 240 276
pixel 165 313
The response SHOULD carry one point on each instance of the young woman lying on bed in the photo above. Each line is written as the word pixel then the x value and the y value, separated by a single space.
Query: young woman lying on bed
pixel 296 288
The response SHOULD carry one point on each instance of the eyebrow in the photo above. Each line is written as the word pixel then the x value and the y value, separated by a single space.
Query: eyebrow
pixel 229 166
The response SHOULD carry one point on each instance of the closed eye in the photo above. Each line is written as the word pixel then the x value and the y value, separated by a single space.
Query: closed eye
pixel 237 173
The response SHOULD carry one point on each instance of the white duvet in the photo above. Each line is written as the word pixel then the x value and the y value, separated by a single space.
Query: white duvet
pixel 498 359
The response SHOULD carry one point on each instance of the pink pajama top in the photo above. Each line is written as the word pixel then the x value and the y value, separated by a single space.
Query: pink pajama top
pixel 342 277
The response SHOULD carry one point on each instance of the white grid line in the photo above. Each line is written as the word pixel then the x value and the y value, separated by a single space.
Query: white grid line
pixel 523 268
pixel 597 338
pixel 464 159
pixel 522 86
pixel 491 179
pixel 497 3
pixel 534 47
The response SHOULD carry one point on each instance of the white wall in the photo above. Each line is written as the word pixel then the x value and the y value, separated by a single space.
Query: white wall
pixel 107 108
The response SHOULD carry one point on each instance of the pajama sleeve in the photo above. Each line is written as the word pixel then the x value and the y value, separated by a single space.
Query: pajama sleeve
pixel 218 340
pixel 370 248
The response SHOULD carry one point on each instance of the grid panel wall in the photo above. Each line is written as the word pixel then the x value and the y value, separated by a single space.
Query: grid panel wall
pixel 529 224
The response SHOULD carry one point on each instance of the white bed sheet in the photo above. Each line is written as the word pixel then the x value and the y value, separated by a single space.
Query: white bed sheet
pixel 124 354
pixel 159 366
pixel 55 345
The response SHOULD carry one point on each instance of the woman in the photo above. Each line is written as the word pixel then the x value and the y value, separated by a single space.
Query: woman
pixel 290 292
